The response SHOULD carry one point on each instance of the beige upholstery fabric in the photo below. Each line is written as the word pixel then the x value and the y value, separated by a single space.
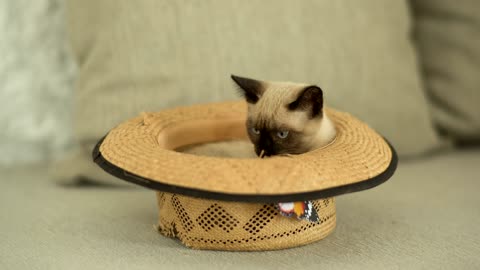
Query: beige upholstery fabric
pixel 425 217
pixel 147 55
pixel 448 38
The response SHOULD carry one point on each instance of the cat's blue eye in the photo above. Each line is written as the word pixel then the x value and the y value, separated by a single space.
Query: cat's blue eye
pixel 255 131
pixel 282 134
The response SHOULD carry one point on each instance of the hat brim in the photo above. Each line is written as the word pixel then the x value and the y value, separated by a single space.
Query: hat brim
pixel 141 151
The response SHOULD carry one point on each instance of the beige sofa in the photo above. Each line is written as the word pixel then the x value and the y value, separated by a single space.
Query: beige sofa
pixel 425 217
pixel 423 95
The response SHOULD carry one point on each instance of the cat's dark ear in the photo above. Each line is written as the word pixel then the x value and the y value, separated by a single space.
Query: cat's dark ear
pixel 251 89
pixel 310 99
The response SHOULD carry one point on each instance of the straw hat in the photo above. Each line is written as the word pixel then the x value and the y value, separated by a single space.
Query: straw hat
pixel 140 150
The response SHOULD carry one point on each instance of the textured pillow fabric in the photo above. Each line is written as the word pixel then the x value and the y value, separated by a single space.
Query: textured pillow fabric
pixel 147 55
pixel 36 81
pixel 448 38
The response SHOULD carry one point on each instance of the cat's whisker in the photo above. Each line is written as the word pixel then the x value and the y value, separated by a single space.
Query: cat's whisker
pixel 262 154
pixel 286 155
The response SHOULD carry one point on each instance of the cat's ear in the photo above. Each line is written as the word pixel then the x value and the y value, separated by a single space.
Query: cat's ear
pixel 251 89
pixel 309 99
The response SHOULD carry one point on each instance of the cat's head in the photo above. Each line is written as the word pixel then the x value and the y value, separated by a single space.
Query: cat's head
pixel 285 118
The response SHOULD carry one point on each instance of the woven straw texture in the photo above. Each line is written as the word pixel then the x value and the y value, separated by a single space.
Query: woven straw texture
pixel 143 146
pixel 210 224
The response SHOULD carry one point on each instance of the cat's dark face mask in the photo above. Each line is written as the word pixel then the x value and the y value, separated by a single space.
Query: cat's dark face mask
pixel 275 141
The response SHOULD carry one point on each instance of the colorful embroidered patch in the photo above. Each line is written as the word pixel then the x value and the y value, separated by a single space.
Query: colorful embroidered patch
pixel 303 210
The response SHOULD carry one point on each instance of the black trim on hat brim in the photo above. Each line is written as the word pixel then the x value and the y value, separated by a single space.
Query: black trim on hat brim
pixel 258 198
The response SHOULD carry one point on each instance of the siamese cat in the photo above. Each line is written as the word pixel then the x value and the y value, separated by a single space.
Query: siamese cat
pixel 285 117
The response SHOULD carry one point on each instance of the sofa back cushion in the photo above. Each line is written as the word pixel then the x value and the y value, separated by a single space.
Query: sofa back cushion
pixel 147 55
pixel 448 38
